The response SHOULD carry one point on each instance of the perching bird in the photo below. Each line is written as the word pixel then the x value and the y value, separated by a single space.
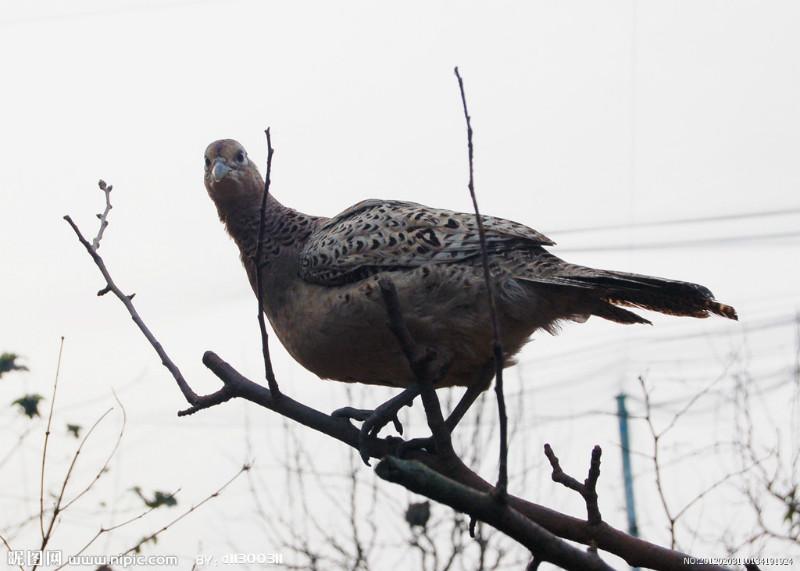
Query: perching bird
pixel 320 278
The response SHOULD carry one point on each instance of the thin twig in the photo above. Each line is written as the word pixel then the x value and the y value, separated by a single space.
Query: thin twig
pixel 164 528
pixel 47 438
pixel 502 478
pixel 17 445
pixel 58 508
pixel 115 526
pixel 10 550
pixel 272 383
pixel 104 468
pixel 106 188
pixel 655 458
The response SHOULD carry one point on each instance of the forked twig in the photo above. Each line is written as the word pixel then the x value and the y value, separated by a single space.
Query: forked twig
pixel 587 489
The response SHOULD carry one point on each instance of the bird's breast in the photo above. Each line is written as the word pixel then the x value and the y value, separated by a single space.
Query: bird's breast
pixel 341 332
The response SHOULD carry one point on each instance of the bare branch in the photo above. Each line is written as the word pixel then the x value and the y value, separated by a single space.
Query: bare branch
pixel 420 479
pixel 126 300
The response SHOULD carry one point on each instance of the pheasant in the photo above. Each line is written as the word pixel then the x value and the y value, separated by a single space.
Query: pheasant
pixel 321 295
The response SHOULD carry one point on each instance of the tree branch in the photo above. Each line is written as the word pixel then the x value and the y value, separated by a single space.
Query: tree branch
pixel 418 478
pixel 126 300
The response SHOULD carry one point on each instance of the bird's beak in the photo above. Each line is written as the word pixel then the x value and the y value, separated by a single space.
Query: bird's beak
pixel 219 170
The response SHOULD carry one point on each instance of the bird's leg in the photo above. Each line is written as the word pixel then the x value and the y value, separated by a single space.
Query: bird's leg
pixel 463 405
pixel 428 366
pixel 484 380
pixel 467 399
pixel 374 420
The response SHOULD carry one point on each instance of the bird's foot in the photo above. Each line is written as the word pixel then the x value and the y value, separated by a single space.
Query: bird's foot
pixel 374 420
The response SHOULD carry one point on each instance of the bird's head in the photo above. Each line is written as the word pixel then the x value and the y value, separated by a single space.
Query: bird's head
pixel 230 176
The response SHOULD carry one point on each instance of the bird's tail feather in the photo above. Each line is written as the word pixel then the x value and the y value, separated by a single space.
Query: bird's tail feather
pixel 605 291
pixel 657 294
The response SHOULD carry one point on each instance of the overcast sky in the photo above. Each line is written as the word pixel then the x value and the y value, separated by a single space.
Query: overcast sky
pixel 585 114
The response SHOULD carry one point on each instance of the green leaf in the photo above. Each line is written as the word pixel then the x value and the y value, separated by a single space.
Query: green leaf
pixel 8 363
pixel 75 429
pixel 29 404
pixel 158 500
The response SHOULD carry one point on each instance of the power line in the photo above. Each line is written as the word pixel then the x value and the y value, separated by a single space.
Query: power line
pixel 573 380
pixel 677 221
pixel 744 328
pixel 767 323
pixel 700 242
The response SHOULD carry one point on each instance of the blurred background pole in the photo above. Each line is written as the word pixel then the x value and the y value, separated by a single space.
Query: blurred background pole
pixel 622 414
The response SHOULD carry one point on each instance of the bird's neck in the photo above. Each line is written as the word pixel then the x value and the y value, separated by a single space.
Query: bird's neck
pixel 284 229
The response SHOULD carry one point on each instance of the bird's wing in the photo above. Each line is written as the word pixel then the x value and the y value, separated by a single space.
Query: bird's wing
pixel 376 235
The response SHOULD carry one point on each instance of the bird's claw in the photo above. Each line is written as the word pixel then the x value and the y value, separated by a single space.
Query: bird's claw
pixel 373 420
pixel 372 423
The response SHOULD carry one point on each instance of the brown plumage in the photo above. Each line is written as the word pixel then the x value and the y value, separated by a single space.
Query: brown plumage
pixel 320 293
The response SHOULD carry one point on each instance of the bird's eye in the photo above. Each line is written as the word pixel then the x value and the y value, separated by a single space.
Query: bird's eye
pixel 240 157
pixel 208 162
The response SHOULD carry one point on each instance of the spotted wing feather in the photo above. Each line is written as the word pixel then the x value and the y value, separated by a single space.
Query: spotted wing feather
pixel 376 235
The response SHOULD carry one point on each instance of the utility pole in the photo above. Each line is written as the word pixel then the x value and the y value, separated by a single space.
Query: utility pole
pixel 627 472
